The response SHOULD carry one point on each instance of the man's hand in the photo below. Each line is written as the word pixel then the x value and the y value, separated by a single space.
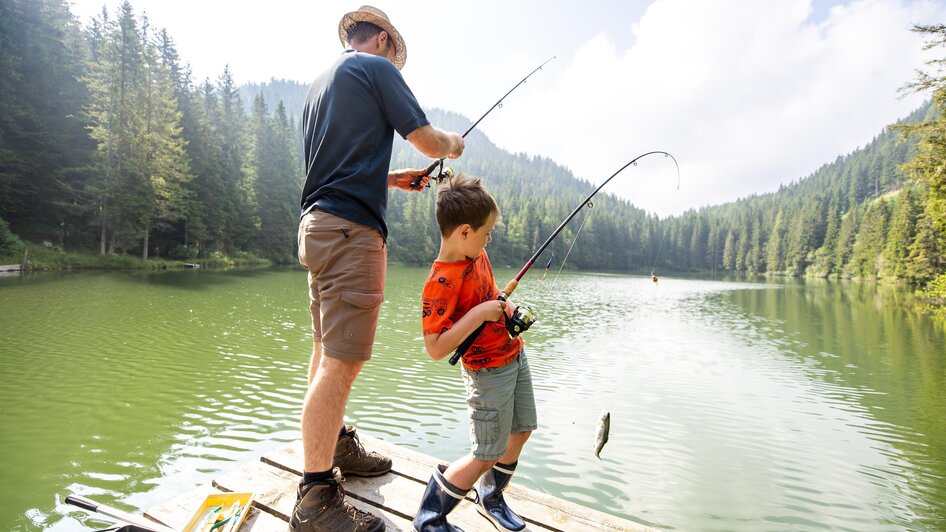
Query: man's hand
pixel 402 179
pixel 456 145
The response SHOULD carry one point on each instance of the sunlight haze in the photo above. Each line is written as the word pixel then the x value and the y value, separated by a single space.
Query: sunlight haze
pixel 746 95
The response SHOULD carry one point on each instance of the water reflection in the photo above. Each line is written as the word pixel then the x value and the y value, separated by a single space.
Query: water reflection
pixel 734 406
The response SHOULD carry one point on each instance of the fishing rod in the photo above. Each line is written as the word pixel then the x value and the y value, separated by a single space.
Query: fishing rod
pixel 443 174
pixel 523 318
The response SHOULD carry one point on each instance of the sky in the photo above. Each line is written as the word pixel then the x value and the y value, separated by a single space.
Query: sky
pixel 746 94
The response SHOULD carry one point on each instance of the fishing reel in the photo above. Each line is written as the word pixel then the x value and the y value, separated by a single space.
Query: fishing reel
pixel 442 173
pixel 522 318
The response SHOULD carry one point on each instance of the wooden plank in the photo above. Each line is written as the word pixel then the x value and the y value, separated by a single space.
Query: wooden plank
pixel 541 511
pixel 276 493
pixel 176 512
pixel 394 497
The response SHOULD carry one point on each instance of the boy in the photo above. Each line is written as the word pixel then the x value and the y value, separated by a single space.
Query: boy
pixel 459 295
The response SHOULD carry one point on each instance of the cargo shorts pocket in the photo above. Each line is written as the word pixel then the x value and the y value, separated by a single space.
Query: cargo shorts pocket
pixel 361 317
pixel 484 426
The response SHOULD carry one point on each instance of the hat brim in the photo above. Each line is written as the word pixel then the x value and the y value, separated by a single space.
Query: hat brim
pixel 400 47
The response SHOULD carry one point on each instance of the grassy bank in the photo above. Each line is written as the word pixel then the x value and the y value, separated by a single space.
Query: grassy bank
pixel 40 258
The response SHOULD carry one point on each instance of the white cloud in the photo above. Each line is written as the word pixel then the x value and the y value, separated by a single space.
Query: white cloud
pixel 746 95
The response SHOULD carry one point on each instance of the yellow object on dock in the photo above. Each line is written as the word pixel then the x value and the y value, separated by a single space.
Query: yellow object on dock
pixel 394 497
pixel 217 507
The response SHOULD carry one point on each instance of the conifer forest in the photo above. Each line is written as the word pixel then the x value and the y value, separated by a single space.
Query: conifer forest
pixel 108 144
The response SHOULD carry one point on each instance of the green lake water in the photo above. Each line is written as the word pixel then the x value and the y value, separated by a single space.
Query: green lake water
pixel 734 406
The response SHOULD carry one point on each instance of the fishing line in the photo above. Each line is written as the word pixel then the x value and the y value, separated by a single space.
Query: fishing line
pixel 569 252
pixel 653 275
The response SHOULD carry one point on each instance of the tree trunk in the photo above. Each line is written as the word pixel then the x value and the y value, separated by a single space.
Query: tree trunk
pixel 102 237
pixel 144 247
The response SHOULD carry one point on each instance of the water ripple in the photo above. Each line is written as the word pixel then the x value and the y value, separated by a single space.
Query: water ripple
pixel 734 406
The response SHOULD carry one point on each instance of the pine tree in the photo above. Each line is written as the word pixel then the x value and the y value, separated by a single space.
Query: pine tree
pixel 116 81
pixel 928 165
pixel 729 252
pixel 900 235
pixel 867 254
pixel 773 252
pixel 165 162
pixel 45 149
pixel 845 245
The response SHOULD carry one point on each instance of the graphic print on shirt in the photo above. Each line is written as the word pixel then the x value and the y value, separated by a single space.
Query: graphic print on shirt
pixel 438 305
pixel 447 283
pixel 470 274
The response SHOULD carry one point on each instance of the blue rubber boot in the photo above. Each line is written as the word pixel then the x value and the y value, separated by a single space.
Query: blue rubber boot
pixel 489 498
pixel 440 498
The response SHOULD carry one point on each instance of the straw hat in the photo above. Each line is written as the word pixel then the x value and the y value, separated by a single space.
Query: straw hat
pixel 379 19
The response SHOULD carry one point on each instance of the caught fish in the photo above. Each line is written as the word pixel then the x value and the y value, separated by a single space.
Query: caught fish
pixel 604 427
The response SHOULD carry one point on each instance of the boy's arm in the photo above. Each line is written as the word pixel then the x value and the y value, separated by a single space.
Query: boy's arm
pixel 442 344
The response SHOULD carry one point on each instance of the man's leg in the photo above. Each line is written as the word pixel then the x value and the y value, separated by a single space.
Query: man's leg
pixel 346 281
pixel 324 409
pixel 314 359
pixel 320 503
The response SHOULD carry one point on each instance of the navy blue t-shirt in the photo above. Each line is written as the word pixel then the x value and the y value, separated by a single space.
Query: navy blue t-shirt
pixel 350 115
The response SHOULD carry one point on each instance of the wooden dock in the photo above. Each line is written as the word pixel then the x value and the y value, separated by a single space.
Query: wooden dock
pixel 394 496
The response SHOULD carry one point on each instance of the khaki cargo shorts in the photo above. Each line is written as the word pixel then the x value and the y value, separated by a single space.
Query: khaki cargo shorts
pixel 347 264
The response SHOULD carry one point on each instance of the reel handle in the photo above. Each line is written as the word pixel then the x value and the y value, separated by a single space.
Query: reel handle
pixel 416 182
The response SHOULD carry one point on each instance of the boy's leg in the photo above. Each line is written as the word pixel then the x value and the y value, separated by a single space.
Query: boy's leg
pixel 466 471
pixel 443 495
pixel 489 493
pixel 514 447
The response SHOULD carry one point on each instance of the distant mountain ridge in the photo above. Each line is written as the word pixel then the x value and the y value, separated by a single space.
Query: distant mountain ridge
pixel 792 231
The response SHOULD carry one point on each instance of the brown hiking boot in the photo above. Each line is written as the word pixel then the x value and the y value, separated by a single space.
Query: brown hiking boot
pixel 321 506
pixel 354 461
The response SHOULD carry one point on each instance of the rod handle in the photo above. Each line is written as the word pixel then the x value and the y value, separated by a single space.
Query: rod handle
pixel 82 502
pixel 510 288
pixel 416 182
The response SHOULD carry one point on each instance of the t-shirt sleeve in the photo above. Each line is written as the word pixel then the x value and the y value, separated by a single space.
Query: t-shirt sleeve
pixel 440 302
pixel 396 99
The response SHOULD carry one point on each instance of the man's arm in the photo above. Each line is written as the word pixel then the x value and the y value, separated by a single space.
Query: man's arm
pixel 436 143
pixel 442 344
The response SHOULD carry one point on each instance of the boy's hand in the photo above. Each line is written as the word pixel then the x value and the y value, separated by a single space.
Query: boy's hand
pixel 402 179
pixel 491 310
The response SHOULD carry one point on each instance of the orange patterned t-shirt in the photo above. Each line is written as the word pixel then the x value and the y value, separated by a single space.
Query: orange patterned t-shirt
pixel 452 289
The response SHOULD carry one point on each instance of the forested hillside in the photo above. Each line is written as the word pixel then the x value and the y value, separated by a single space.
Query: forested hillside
pixel 854 217
pixel 107 143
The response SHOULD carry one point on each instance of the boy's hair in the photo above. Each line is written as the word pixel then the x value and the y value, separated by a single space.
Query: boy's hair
pixel 463 200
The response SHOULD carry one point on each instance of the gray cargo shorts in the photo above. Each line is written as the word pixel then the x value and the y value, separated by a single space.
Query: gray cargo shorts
pixel 500 402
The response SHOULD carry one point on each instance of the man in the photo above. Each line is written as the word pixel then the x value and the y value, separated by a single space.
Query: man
pixel 350 116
